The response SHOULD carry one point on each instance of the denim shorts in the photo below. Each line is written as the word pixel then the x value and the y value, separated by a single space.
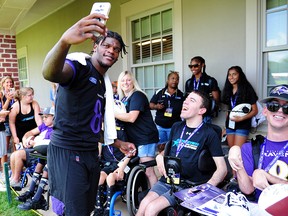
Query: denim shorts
pixel 164 134
pixel 147 150
pixel 7 129
pixel 164 189
pixel 238 132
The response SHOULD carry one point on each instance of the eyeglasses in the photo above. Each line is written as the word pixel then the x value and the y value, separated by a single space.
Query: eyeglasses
pixel 274 107
pixel 108 46
pixel 195 65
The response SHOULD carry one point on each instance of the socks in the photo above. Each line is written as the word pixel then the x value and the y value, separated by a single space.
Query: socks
pixel 42 185
pixel 35 180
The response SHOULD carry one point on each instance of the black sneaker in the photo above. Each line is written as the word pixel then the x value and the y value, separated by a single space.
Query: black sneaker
pixel 106 212
pixel 98 212
pixel 25 196
pixel 33 204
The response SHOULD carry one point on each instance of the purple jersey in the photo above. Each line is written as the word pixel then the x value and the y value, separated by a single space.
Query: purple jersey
pixel 45 131
pixel 279 169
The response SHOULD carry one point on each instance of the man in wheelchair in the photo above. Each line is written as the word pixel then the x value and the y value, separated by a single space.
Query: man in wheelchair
pixel 188 140
pixel 21 157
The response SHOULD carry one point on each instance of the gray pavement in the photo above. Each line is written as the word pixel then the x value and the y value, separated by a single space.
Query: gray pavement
pixel 119 205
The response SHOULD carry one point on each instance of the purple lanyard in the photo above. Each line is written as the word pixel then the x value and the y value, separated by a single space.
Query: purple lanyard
pixel 233 102
pixel 181 143
pixel 260 163
pixel 196 84
pixel 110 148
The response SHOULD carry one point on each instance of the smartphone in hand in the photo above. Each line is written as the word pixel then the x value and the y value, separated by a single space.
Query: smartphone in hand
pixel 102 8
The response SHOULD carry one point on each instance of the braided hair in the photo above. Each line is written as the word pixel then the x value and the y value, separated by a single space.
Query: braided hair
pixel 116 36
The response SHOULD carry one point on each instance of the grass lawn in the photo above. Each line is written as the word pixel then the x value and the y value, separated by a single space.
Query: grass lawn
pixel 12 210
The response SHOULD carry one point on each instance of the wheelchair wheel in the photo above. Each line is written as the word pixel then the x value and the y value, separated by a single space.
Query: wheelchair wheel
pixel 137 182
pixel 23 183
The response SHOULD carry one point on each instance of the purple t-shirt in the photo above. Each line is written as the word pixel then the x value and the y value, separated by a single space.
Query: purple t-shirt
pixel 45 131
pixel 279 169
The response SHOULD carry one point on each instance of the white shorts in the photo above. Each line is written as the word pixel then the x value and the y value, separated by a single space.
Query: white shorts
pixel 3 146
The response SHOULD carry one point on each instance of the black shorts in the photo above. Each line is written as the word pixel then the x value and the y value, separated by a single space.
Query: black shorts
pixel 30 160
pixel 109 167
pixel 73 178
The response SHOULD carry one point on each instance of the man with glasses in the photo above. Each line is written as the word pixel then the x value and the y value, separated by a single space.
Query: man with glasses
pixel 273 157
pixel 201 81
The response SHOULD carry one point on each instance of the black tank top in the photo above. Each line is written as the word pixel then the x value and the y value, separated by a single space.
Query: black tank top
pixel 24 122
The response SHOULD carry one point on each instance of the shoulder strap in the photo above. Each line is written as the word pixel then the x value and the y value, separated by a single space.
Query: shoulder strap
pixel 256 143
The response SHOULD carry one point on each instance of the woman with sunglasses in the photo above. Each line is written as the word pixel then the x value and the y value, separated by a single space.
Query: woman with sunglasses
pixel 273 158
pixel 238 90
pixel 200 80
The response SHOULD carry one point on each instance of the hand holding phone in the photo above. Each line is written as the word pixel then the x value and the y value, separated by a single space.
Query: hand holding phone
pixel 101 8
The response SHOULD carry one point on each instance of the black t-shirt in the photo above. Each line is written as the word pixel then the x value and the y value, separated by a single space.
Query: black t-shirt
pixel 250 98
pixel 207 84
pixel 204 138
pixel 110 154
pixel 172 103
pixel 79 109
pixel 143 130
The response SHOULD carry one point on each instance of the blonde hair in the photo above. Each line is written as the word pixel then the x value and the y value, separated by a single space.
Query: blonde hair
pixel 4 79
pixel 22 92
pixel 136 86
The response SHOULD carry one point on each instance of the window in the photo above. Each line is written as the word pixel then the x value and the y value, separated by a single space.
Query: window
pixel 152 49
pixel 275 46
pixel 23 67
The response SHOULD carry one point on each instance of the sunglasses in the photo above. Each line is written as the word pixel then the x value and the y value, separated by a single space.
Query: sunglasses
pixel 274 107
pixel 195 65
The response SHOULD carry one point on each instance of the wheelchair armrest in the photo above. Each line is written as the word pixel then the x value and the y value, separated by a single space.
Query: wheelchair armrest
pixel 134 160
pixel 38 155
pixel 147 164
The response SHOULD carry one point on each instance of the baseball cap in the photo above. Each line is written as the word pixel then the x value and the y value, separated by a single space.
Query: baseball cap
pixel 48 111
pixel 277 92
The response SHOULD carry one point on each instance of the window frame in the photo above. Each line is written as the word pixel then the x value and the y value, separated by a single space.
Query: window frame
pixel 265 50
pixel 22 53
pixel 144 65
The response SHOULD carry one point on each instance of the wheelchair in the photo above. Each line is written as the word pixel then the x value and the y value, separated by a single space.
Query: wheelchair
pixel 28 171
pixel 137 184
pixel 121 186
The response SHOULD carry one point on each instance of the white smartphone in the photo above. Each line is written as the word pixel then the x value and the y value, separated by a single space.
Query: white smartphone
pixel 102 8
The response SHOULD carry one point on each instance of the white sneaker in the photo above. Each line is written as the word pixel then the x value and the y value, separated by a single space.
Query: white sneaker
pixel 234 205
pixel 15 184
pixel 2 177
pixel 2 188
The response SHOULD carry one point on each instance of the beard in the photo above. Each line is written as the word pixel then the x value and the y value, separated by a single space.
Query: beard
pixel 103 65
